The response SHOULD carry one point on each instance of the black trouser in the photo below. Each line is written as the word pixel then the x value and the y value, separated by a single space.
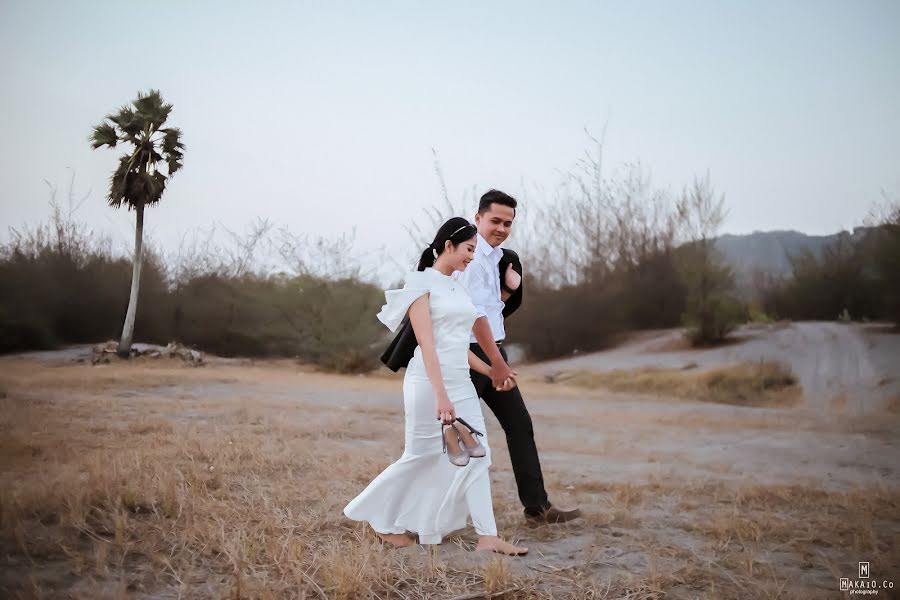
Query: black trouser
pixel 510 410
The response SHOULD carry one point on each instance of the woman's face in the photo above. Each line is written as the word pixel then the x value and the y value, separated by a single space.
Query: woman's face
pixel 460 256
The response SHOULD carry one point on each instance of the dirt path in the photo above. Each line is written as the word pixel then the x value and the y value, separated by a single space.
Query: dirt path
pixel 851 365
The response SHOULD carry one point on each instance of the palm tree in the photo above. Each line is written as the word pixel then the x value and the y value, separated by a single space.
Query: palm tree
pixel 140 180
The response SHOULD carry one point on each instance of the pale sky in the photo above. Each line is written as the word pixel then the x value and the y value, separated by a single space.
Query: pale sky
pixel 322 116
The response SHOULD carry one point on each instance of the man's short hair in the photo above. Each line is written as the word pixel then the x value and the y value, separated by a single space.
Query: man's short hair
pixel 496 197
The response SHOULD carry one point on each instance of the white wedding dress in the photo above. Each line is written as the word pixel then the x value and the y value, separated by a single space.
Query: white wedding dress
pixel 422 492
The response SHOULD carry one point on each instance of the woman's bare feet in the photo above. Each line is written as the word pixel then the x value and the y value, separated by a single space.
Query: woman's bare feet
pixel 397 540
pixel 495 544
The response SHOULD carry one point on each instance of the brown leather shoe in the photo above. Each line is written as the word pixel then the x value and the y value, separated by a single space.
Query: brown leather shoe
pixel 553 515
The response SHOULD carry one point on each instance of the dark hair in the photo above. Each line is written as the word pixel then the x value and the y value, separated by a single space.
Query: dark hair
pixel 496 197
pixel 456 229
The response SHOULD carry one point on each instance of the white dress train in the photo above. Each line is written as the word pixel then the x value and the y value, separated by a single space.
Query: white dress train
pixel 422 492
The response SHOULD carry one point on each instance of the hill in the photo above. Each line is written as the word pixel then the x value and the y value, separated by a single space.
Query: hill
pixel 770 251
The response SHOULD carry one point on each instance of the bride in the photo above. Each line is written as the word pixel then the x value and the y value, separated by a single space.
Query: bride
pixel 424 492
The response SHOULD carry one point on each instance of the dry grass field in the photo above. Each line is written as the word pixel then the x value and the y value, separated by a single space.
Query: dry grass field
pixel 153 479
pixel 748 384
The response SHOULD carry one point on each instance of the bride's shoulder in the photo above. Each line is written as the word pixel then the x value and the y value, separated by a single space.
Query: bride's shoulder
pixel 416 279
pixel 398 301
pixel 412 281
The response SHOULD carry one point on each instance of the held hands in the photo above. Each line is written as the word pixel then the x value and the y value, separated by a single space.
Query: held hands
pixel 502 377
pixel 500 373
pixel 510 383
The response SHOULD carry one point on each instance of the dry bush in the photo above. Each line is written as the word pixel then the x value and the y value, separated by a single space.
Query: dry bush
pixel 854 277
pixel 600 259
pixel 599 256
pixel 60 284
pixel 328 322
pixel 823 287
pixel 883 246
pixel 70 290
pixel 712 309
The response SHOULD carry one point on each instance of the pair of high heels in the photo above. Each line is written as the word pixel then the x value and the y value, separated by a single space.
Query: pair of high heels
pixel 460 445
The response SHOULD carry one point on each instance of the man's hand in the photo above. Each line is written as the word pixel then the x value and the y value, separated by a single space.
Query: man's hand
pixel 500 372
pixel 512 279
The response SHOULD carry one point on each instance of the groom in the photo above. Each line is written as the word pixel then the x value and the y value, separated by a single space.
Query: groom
pixel 494 279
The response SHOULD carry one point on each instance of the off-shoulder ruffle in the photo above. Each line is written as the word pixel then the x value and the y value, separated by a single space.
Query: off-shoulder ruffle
pixel 398 301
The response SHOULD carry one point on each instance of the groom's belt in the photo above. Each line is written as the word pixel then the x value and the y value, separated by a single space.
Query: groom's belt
pixel 476 344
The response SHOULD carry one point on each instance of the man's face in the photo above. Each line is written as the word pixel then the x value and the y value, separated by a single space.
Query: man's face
pixel 495 224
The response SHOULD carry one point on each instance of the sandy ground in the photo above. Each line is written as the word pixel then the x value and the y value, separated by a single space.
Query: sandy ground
pixel 681 499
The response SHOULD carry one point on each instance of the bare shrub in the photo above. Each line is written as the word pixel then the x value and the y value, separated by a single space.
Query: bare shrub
pixel 601 260
pixel 259 292
pixel 60 282
pixel 712 309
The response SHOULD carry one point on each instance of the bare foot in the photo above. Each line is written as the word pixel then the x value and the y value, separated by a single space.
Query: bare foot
pixel 495 544
pixel 397 540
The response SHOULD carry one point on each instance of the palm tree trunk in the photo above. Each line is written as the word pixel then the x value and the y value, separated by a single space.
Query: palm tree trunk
pixel 124 349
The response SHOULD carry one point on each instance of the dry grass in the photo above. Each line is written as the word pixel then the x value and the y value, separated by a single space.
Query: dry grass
pixel 747 384
pixel 118 484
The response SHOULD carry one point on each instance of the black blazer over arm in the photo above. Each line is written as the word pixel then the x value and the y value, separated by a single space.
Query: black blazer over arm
pixel 515 301
pixel 403 346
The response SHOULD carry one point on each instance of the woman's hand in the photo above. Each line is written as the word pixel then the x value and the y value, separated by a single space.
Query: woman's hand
pixel 510 383
pixel 445 412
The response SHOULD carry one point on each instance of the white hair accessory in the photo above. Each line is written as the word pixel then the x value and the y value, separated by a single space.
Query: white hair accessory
pixel 434 252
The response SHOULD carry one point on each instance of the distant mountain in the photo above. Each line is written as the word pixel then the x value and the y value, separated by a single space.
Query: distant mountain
pixel 769 251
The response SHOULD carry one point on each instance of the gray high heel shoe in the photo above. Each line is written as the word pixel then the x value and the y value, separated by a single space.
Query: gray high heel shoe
pixel 478 450
pixel 461 458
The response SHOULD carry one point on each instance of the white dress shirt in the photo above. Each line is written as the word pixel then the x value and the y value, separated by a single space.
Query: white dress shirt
pixel 482 278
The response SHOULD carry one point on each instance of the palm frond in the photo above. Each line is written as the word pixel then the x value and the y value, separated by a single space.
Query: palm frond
pixel 174 163
pixel 155 185
pixel 171 139
pixel 118 181
pixel 152 108
pixel 172 148
pixel 155 157
pixel 104 135
pixel 163 114
pixel 149 101
pixel 127 120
